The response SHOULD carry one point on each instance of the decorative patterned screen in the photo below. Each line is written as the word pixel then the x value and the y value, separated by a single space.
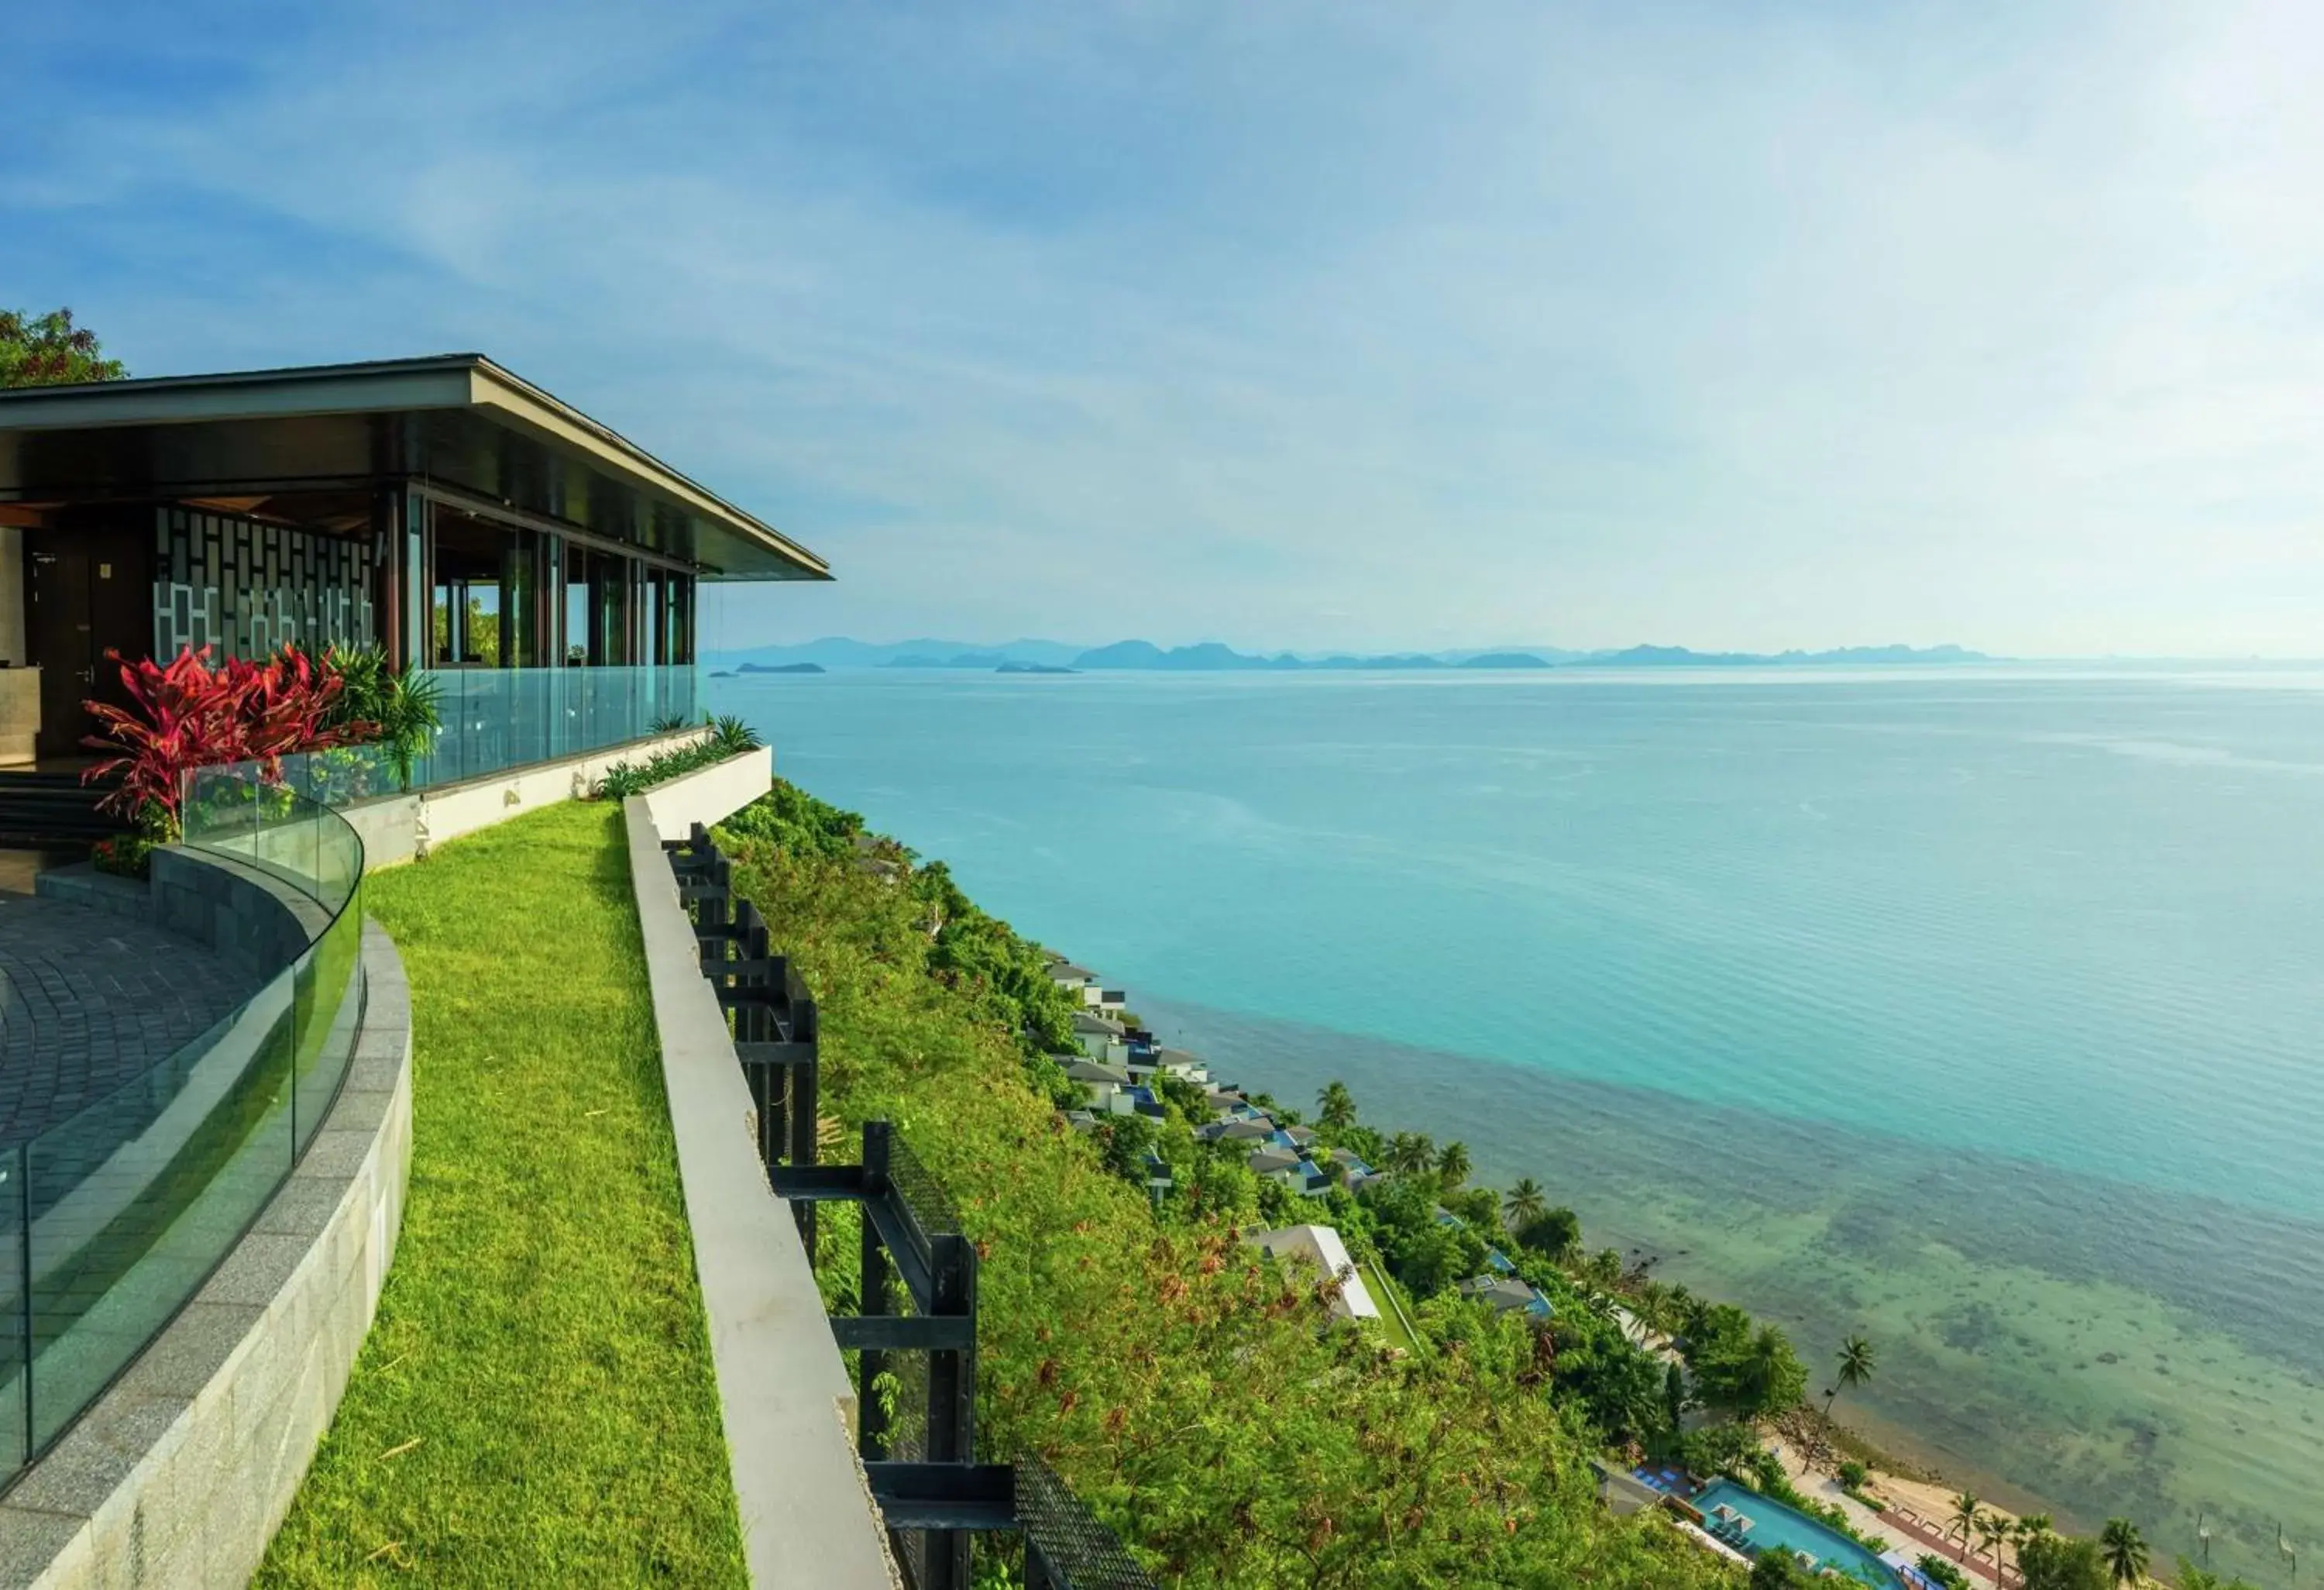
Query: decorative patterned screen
pixel 243 589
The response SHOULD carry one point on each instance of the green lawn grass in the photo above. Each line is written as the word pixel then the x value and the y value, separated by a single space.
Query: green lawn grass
pixel 535 1404
pixel 1384 1293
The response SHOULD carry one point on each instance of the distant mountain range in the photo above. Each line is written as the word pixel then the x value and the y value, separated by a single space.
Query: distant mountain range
pixel 1211 657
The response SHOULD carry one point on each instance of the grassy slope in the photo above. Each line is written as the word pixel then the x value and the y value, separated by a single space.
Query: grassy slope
pixel 1187 1396
pixel 541 1336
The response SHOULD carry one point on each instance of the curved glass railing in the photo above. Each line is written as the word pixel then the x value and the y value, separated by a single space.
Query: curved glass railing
pixel 112 1219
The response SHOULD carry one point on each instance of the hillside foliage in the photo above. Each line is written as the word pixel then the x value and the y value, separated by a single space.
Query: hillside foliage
pixel 1191 1390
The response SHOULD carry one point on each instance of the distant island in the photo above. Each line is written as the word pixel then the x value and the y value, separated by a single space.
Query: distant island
pixel 1036 656
pixel 1212 657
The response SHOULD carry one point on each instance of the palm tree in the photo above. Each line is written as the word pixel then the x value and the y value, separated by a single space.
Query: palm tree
pixel 1650 1306
pixel 1525 1204
pixel 1764 1365
pixel 1602 1270
pixel 1412 1153
pixel 1965 1513
pixel 1993 1529
pixel 1452 1165
pixel 2125 1550
pixel 1856 1366
pixel 2032 1527
pixel 1336 1107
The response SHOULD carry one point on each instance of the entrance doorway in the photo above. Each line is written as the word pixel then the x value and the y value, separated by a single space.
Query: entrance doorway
pixel 82 597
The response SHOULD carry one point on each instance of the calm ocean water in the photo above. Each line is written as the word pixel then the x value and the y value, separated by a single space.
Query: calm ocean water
pixel 1977 1011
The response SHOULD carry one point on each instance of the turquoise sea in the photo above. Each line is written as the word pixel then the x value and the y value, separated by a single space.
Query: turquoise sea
pixel 1978 1010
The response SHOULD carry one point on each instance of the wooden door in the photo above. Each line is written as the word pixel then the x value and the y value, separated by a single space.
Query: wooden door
pixel 84 597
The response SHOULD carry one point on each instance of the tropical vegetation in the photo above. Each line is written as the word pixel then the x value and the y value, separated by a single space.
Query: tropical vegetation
pixel 1856 1364
pixel 1182 1383
pixel 2125 1550
pixel 728 737
pixel 401 705
pixel 187 714
pixel 50 350
pixel 1186 1386
pixel 2060 1562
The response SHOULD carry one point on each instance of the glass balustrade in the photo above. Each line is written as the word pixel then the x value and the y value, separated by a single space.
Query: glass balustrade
pixel 113 1218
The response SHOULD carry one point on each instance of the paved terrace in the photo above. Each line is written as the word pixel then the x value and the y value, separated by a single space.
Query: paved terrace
pixel 88 1000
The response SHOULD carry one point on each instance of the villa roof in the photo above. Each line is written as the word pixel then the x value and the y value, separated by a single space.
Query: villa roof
pixel 1321 1247
pixel 1090 1071
pixel 1067 969
pixel 1505 1296
pixel 1263 1161
pixel 1623 1494
pixel 1086 1022
pixel 310 443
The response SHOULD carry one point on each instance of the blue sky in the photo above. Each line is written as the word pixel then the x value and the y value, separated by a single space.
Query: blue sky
pixel 1295 323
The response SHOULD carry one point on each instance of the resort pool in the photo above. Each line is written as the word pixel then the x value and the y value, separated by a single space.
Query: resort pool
pixel 1777 1528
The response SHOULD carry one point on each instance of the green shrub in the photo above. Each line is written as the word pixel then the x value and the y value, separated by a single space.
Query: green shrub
pixel 798 824
pixel 625 779
pixel 405 703
pixel 734 736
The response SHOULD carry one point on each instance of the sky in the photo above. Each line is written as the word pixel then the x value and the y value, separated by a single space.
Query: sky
pixel 1293 323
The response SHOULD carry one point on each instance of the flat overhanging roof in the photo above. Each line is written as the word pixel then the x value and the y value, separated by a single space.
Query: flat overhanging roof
pixel 456 421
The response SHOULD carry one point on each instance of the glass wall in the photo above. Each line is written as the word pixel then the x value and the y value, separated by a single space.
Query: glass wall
pixel 504 718
pixel 504 595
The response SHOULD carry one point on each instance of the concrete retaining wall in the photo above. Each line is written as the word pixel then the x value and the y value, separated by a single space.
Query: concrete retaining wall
pixel 181 1473
pixel 251 917
pixel 808 1520
pixel 709 794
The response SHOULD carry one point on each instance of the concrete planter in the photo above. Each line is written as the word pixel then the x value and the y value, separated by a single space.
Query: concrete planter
pixel 401 828
pixel 709 794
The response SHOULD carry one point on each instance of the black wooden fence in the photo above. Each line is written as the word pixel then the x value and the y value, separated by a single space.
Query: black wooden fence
pixel 914 1333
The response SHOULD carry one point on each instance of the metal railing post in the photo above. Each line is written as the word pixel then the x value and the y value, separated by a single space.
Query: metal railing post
pixel 871 1423
pixel 807 1103
pixel 952 1397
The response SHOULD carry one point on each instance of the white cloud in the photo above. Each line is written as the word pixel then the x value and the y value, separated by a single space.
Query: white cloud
pixel 1316 326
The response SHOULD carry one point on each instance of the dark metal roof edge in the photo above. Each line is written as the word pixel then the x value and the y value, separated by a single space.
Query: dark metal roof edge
pixel 423 362
pixel 649 468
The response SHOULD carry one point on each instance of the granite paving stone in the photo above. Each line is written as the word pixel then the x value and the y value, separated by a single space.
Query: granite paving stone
pixel 89 1000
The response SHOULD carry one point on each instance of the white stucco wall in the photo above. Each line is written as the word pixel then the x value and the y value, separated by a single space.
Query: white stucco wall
pixel 709 794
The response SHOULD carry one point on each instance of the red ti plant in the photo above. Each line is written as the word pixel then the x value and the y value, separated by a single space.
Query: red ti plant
pixel 189 714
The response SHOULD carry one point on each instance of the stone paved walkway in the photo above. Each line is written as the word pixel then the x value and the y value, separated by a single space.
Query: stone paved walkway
pixel 88 1000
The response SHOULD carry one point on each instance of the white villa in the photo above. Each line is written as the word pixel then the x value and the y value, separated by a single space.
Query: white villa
pixel 1101 1038
pixel 1320 1249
